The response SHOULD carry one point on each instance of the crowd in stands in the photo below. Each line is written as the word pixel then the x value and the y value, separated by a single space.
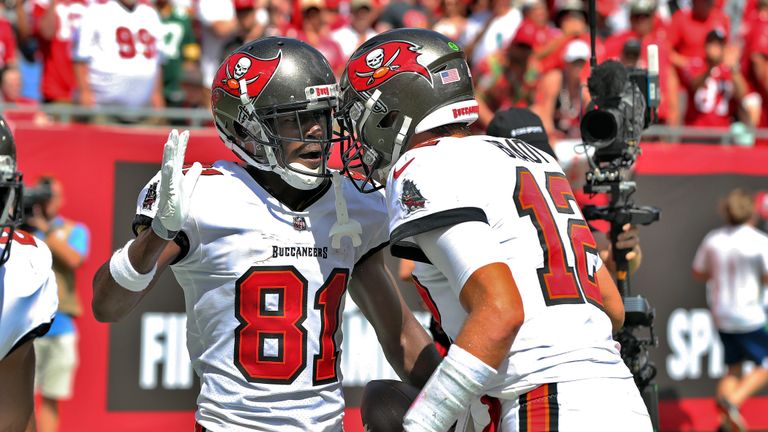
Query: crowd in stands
pixel 524 53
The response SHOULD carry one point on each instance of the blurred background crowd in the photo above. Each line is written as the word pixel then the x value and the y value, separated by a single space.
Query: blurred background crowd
pixel 159 54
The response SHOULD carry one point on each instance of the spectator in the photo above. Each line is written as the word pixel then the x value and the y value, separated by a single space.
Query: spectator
pixel 11 92
pixel 689 28
pixel 714 84
pixel 571 19
pixel 11 88
pixel 218 24
pixel 56 352
pixel 454 18
pixel 733 261
pixel 55 25
pixel 117 61
pixel 754 64
pixel 536 18
pixel 7 44
pixel 403 13
pixel 505 78
pixel 647 29
pixel 316 31
pixel 572 91
pixel 359 29
pixel 180 50
pixel 489 32
pixel 279 18
pixel 251 24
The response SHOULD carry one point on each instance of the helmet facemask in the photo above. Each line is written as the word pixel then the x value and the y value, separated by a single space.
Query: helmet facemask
pixel 362 160
pixel 263 133
pixel 11 189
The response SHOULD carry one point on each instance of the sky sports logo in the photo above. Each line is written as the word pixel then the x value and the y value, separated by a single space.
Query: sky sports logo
pixel 465 111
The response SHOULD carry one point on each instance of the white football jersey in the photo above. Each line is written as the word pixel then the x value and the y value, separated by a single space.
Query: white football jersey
pixel 28 293
pixel 736 258
pixel 264 295
pixel 524 196
pixel 121 48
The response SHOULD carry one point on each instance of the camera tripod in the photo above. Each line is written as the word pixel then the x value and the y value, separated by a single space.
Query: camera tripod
pixel 638 313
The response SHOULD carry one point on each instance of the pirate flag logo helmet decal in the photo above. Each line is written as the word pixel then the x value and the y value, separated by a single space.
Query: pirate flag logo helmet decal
pixel 399 83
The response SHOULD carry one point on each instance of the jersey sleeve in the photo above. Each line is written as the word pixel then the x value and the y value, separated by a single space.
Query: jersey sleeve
pixel 87 37
pixel 422 197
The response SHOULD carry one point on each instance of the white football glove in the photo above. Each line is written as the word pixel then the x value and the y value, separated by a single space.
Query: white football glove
pixel 175 187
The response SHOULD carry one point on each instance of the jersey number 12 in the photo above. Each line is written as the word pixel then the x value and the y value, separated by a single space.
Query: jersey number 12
pixel 560 284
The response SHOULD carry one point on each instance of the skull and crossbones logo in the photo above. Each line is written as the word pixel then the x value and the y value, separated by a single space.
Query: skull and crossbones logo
pixel 374 60
pixel 241 68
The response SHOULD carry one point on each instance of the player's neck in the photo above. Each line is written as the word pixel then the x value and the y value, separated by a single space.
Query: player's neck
pixel 429 137
pixel 294 199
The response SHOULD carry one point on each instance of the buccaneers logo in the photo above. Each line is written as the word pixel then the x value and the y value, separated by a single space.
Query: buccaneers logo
pixel 411 198
pixel 242 66
pixel 384 61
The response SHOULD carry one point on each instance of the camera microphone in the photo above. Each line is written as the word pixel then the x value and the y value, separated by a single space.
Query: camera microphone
pixel 653 76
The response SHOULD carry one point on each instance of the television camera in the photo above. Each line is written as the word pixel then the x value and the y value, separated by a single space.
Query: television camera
pixel 623 104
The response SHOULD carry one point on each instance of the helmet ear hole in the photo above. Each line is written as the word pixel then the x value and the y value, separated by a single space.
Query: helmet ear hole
pixel 388 120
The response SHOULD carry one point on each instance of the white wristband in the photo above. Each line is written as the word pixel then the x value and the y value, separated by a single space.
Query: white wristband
pixel 125 275
pixel 460 378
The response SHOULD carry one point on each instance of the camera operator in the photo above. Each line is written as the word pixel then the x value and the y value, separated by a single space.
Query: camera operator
pixel 56 353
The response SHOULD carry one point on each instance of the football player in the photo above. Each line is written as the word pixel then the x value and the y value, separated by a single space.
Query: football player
pixel 28 296
pixel 265 251
pixel 506 258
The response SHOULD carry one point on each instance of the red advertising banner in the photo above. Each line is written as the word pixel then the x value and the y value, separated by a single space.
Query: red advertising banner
pixel 684 180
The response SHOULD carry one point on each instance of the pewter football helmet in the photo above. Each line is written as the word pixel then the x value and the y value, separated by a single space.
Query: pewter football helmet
pixel 397 84
pixel 268 82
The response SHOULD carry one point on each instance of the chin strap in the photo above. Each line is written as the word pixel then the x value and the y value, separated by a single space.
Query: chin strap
pixel 344 226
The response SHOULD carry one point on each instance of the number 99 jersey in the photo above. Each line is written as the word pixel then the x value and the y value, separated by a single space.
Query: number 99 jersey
pixel 264 293
pixel 524 196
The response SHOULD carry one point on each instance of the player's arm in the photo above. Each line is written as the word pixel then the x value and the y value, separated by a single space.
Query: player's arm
pixel 111 301
pixel 471 258
pixel 700 270
pixel 47 24
pixel 406 344
pixel 759 65
pixel 17 375
pixel 127 276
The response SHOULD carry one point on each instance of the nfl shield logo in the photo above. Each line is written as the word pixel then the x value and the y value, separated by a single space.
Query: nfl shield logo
pixel 299 223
